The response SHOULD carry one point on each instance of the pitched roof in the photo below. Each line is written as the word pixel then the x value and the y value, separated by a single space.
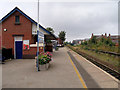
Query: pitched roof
pixel 17 9
pixel 115 37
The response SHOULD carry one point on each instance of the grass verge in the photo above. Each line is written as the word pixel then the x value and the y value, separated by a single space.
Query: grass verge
pixel 111 61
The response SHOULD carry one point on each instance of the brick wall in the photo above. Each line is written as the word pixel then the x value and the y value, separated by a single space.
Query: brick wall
pixel 31 53
pixel 0 42
pixel 25 28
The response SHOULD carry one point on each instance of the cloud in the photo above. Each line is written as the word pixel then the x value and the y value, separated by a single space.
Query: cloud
pixel 78 19
pixel 59 0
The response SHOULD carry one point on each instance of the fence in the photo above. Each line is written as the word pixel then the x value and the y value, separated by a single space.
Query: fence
pixel 7 53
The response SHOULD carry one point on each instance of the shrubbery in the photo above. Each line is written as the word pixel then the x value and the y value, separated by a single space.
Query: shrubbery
pixel 102 43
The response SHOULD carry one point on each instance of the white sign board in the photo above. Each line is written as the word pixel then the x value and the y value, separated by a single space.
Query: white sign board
pixel 41 37
pixel 40 34
pixel 41 40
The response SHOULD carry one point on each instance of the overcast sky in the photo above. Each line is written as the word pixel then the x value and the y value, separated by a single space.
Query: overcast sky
pixel 79 18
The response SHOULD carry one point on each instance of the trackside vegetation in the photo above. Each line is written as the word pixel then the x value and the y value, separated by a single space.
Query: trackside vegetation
pixel 104 44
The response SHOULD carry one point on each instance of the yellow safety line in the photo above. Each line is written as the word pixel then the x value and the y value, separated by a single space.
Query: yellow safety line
pixel 78 74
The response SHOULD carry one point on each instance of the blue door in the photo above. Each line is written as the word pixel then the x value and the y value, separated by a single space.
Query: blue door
pixel 18 49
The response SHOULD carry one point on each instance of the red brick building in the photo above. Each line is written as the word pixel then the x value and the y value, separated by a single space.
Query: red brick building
pixel 115 38
pixel 60 41
pixel 0 42
pixel 17 28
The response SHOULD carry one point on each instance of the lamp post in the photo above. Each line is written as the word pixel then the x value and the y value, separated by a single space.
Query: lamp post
pixel 38 39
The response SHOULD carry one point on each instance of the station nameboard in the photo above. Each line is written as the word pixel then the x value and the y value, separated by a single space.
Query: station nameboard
pixel 41 40
pixel 40 37
pixel 40 34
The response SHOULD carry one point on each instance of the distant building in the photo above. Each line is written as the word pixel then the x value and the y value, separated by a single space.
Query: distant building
pixel 115 38
pixel 79 41
pixel 60 42
pixel 75 42
pixel 99 36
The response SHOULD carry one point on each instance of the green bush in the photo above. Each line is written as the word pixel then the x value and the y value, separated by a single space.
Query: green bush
pixel 56 48
pixel 48 41
pixel 86 48
pixel 96 51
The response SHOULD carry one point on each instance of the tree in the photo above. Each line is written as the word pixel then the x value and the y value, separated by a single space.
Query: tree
pixel 102 39
pixel 62 35
pixel 106 41
pixel 93 40
pixel 85 43
pixel 50 29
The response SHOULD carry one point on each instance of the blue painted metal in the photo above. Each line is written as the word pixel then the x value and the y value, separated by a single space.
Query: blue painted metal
pixel 38 51
pixel 18 49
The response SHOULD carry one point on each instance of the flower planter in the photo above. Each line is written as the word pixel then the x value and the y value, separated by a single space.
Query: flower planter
pixel 47 65
pixel 43 60
pixel 44 66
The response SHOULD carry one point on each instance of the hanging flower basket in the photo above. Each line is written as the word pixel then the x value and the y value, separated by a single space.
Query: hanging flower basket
pixel 44 60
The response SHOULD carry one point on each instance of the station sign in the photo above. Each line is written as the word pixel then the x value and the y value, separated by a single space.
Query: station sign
pixel 40 34
pixel 41 40
pixel 40 37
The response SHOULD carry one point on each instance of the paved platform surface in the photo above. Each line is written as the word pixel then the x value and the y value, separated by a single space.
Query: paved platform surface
pixel 22 73
pixel 93 76
pixel 61 74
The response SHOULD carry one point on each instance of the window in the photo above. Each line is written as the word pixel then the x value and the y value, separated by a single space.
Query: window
pixel 17 19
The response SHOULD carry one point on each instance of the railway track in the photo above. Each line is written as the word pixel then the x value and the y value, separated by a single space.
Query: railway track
pixel 111 53
pixel 97 62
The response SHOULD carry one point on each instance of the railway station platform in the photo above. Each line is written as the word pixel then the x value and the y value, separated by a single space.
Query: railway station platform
pixel 67 70
pixel 93 76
